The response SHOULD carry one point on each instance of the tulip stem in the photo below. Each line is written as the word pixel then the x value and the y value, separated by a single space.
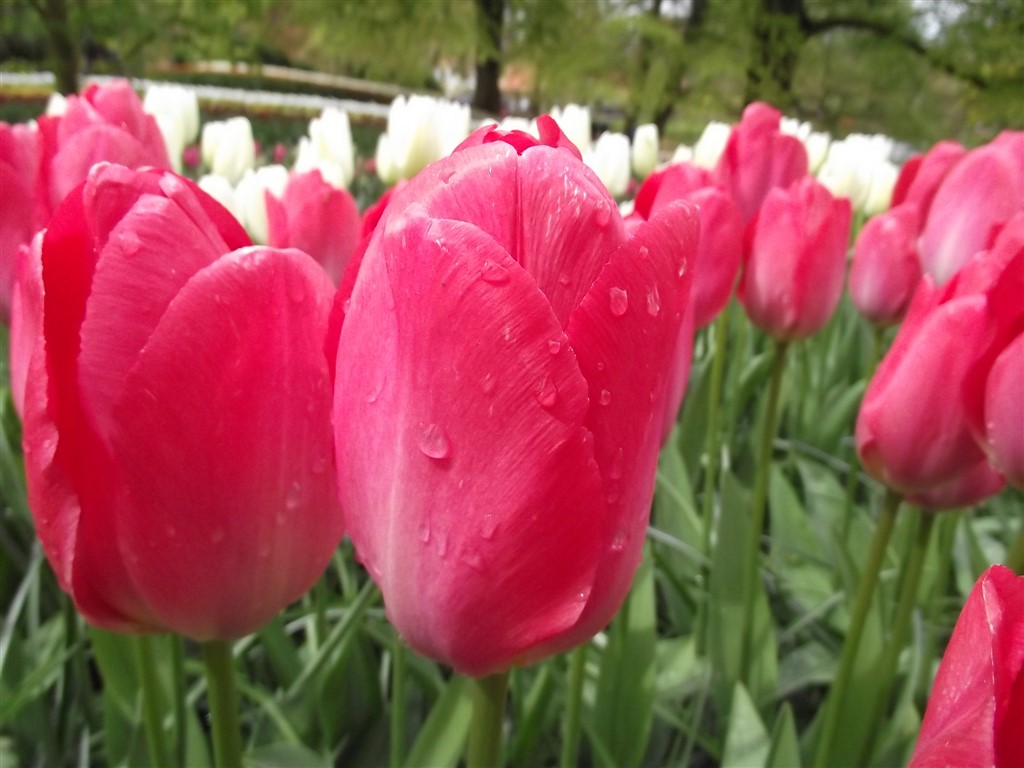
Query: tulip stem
pixel 1015 555
pixel 223 699
pixel 574 706
pixel 152 719
pixel 180 708
pixel 909 585
pixel 713 451
pixel 398 702
pixel 759 504
pixel 858 617
pixel 487 722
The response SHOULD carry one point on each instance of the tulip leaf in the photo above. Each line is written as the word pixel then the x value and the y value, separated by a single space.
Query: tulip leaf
pixel 443 737
pixel 746 741
pixel 285 756
pixel 784 751
pixel 623 709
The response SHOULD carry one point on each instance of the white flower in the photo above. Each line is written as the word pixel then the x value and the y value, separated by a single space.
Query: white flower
pixel 251 200
pixel 851 167
pixel 228 148
pixel 645 149
pixel 56 105
pixel 219 189
pixel 328 148
pixel 176 111
pixel 683 154
pixel 711 144
pixel 574 121
pixel 609 159
pixel 420 131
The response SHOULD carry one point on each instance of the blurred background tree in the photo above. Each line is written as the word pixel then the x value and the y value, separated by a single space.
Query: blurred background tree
pixel 918 70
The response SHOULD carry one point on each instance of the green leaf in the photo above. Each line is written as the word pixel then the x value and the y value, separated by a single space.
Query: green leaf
pixel 623 709
pixel 785 748
pixel 443 737
pixel 746 741
pixel 285 756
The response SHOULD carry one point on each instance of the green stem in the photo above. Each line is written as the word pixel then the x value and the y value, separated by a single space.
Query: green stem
pixel 398 702
pixel 1015 556
pixel 861 606
pixel 713 452
pixel 909 586
pixel 488 719
pixel 757 512
pixel 223 699
pixel 574 707
pixel 152 715
pixel 180 709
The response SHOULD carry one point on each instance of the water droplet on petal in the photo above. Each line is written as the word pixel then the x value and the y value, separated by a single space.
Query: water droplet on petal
pixel 615 470
pixel 653 302
pixel 490 525
pixel 602 216
pixel 347 305
pixel 605 397
pixel 375 390
pixel 494 273
pixel 644 251
pixel 217 535
pixel 547 394
pixel 488 383
pixel 424 532
pixel 619 541
pixel 554 346
pixel 442 544
pixel 618 301
pixel 294 496
pixel 600 366
pixel 474 561
pixel 564 279
pixel 433 441
pixel 582 595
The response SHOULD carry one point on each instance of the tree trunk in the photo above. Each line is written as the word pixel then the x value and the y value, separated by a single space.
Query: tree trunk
pixel 63 47
pixel 490 18
pixel 779 35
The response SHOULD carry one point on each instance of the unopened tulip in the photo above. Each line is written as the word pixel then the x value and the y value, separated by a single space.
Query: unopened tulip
pixel 914 429
pixel 176 110
pixel 228 148
pixel 795 260
pixel 574 120
pixel 980 193
pixel 317 218
pixel 711 144
pixel 976 706
pixel 759 157
pixel 251 199
pixel 921 175
pixel 721 232
pixel 502 379
pixel 886 267
pixel 420 130
pixel 177 412
pixel 645 150
pixel 609 158
pixel 328 149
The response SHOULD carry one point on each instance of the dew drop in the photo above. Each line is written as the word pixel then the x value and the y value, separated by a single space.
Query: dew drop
pixel 582 595
pixel 346 306
pixel 375 391
pixel 602 216
pixel 488 383
pixel 605 397
pixel 217 535
pixel 644 251
pixel 653 302
pixel 424 532
pixel 433 441
pixel 615 470
pixel 554 346
pixel 547 394
pixel 600 366
pixel 494 273
pixel 442 545
pixel 618 301
pixel 446 175
pixel 294 496
pixel 474 561
pixel 564 279
pixel 619 541
pixel 490 525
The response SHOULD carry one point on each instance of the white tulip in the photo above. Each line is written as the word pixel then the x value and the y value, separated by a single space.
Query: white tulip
pixel 420 131
pixel 176 111
pixel 228 148
pixel 711 144
pixel 645 149
pixel 328 148
pixel 251 199
pixel 609 159
pixel 574 121
pixel 219 189
pixel 56 105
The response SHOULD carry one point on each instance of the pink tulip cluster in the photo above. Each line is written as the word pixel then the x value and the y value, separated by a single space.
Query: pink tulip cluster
pixel 948 205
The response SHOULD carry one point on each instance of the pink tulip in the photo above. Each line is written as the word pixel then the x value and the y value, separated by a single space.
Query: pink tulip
pixel 106 122
pixel 721 232
pixel 177 412
pixel 978 195
pixel 23 210
pixel 26 316
pixel 886 268
pixel 759 157
pixel 316 218
pixel 922 174
pixel 1004 406
pixel 502 379
pixel 795 260
pixel 976 706
pixel 914 428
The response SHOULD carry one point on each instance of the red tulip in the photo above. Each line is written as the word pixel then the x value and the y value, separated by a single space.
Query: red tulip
pixel 759 157
pixel 978 195
pixel 976 706
pixel 26 316
pixel 23 210
pixel 914 428
pixel 316 218
pixel 795 260
pixel 886 268
pixel 500 398
pixel 721 232
pixel 177 412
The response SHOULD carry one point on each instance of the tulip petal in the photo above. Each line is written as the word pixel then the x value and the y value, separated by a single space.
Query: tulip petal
pixel 244 481
pixel 626 337
pixel 466 474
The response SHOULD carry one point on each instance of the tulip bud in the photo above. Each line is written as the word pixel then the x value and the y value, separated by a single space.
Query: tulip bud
pixel 228 148
pixel 610 160
pixel 176 110
pixel 886 268
pixel 711 144
pixel 251 198
pixel 328 149
pixel 645 150
pixel 574 121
